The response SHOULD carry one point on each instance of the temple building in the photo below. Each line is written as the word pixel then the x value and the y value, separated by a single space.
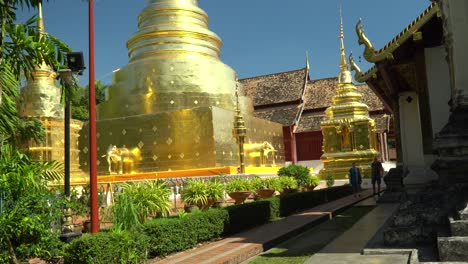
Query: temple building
pixel 298 103
pixel 172 106
pixel 40 98
pixel 409 75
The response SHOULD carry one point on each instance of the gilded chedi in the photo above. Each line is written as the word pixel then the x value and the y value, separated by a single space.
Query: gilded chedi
pixel 349 134
pixel 175 99
pixel 40 98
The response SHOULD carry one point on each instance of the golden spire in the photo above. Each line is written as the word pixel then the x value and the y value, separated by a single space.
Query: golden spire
pixel 345 74
pixel 343 63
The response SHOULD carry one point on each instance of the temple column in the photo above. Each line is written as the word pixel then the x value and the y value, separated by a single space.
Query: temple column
pixel 414 167
pixel 385 146
pixel 452 141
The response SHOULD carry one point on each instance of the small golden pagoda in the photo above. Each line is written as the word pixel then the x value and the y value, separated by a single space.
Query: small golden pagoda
pixel 40 98
pixel 348 131
pixel 171 107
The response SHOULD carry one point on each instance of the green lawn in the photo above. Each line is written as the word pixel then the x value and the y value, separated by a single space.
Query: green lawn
pixel 302 247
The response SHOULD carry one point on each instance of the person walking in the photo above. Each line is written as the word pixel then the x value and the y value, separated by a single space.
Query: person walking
pixel 377 174
pixel 355 178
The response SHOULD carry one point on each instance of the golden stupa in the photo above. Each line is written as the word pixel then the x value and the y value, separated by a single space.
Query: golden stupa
pixel 40 98
pixel 348 131
pixel 172 106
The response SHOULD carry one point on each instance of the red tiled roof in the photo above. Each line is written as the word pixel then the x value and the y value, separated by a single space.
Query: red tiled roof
pixel 285 115
pixel 275 88
pixel 319 94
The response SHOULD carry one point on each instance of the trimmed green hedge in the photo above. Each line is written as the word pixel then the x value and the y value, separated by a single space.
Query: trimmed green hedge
pixel 169 235
pixel 107 247
pixel 162 236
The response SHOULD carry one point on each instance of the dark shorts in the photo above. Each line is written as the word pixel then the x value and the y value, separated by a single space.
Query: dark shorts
pixel 377 180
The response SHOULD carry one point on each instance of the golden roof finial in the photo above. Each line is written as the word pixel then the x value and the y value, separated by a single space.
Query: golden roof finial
pixel 343 63
pixel 345 74
pixel 40 20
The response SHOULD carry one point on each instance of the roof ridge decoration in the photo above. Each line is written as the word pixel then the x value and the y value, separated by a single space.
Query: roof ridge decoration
pixel 271 74
pixel 359 76
pixel 373 55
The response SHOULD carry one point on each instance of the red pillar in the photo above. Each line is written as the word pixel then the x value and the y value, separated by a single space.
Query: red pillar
pixel 293 145
pixel 92 126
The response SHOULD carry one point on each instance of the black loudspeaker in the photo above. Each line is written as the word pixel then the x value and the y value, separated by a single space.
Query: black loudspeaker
pixel 75 62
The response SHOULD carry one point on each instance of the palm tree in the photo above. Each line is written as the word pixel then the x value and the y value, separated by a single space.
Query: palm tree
pixel 24 196
pixel 22 47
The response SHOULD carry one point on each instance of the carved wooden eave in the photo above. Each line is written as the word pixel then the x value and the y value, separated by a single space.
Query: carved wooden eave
pixel 410 32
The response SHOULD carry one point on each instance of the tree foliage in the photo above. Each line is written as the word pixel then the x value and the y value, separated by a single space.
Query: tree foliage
pixel 80 100
pixel 27 207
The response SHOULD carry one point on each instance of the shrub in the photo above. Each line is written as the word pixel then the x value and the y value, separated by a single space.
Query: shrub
pixel 287 182
pixel 298 172
pixel 295 202
pixel 238 185
pixel 195 192
pixel 108 247
pixel 138 201
pixel 169 235
pixel 312 180
pixel 244 216
pixel 330 180
pixel 215 190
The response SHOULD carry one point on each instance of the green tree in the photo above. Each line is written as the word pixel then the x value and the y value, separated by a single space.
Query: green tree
pixel 22 48
pixel 28 208
pixel 80 99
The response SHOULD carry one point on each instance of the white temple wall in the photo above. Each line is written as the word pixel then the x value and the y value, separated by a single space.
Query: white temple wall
pixel 438 84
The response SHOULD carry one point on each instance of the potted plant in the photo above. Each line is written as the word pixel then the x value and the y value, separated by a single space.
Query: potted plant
pixel 311 182
pixel 239 189
pixel 264 187
pixel 195 192
pixel 298 172
pixel 288 184
pixel 215 193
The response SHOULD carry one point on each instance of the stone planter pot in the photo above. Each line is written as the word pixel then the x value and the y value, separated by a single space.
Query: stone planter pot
pixel 189 208
pixel 287 191
pixel 239 197
pixel 309 187
pixel 265 193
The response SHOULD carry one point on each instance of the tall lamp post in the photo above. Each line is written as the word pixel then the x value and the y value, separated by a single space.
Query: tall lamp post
pixel 75 65
pixel 92 125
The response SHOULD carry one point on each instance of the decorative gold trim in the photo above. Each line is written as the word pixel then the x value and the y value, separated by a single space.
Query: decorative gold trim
pixel 177 34
pixel 130 51
pixel 372 55
pixel 359 76
pixel 172 54
pixel 173 12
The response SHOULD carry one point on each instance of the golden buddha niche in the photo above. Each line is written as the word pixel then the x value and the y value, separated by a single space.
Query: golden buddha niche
pixel 175 99
pixel 349 134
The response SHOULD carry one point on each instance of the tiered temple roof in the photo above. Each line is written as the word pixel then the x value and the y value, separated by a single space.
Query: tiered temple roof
pixel 278 97
pixel 318 96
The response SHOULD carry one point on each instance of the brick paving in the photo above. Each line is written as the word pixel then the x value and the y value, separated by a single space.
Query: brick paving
pixel 240 247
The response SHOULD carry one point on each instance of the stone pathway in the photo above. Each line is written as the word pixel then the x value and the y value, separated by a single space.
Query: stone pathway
pixel 356 238
pixel 347 248
pixel 240 247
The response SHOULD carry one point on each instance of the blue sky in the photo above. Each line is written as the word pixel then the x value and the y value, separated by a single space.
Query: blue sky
pixel 259 36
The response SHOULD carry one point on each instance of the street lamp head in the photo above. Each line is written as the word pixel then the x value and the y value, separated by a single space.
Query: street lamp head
pixel 75 62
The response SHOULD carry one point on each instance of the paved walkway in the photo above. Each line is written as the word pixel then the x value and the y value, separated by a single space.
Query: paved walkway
pixel 347 247
pixel 240 247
